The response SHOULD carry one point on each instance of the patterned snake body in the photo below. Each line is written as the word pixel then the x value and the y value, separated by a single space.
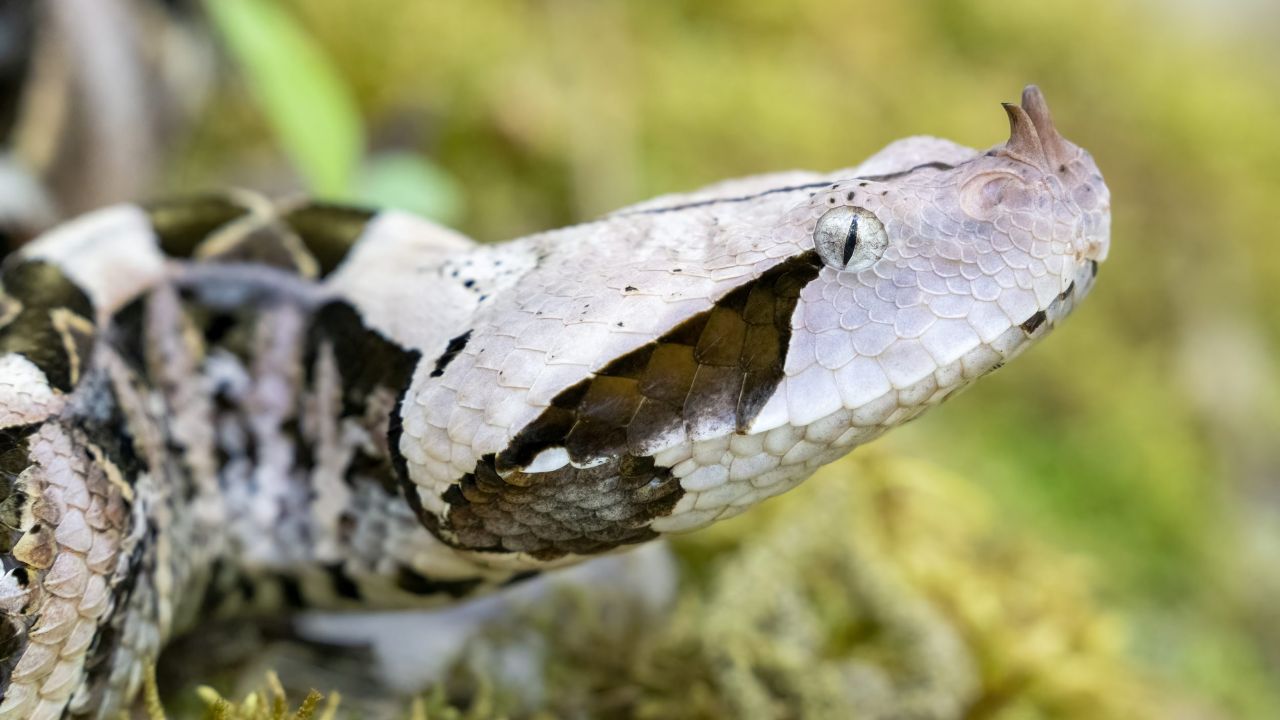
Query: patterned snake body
pixel 226 406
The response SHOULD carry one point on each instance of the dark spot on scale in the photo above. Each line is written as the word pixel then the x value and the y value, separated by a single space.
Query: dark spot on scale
pixel 454 496
pixel 468 283
pixel 677 269
pixel 1062 168
pixel 1093 268
pixel 13 454
pixel 13 641
pixel 629 288
pixel 413 582
pixel 849 196
pixel 99 417
pixel 363 467
pixel 619 323
pixel 342 583
pixel 863 184
pixel 128 334
pixel 399 464
pixel 522 577
pixel 451 351
pixel 291 591
pixel 218 327
pixel 246 587
pixel 883 193
pixel 1033 323
pixel 366 358
pixel 831 201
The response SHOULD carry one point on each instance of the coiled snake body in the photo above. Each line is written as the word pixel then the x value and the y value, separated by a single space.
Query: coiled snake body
pixel 226 406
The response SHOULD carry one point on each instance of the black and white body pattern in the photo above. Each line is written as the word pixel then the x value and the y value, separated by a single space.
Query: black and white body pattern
pixel 226 406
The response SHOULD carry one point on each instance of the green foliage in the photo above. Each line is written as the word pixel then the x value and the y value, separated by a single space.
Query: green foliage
pixel 305 99
pixel 267 703
pixel 406 181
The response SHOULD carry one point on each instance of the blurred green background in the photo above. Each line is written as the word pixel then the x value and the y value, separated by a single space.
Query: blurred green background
pixel 1139 442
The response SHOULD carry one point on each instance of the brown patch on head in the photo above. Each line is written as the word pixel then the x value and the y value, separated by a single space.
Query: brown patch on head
pixel 572 510
pixel 710 375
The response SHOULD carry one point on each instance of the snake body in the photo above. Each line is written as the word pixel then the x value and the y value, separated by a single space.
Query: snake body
pixel 224 406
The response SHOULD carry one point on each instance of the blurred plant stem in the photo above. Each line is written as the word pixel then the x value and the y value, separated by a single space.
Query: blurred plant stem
pixel 304 98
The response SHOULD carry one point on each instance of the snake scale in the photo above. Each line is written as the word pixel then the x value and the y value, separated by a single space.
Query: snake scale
pixel 225 406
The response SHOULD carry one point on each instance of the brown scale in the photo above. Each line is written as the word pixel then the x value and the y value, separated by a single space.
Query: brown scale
pixel 727 359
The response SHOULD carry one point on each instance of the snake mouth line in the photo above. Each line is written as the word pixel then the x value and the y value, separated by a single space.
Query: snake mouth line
pixel 1044 320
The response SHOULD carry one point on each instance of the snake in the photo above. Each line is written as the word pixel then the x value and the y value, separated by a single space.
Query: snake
pixel 226 406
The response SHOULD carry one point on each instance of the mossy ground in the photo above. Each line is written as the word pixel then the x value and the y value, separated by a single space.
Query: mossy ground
pixel 884 588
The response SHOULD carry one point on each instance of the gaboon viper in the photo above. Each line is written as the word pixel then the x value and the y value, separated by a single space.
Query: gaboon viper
pixel 230 406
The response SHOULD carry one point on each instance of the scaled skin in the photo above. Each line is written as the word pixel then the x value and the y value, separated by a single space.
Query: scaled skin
pixel 229 407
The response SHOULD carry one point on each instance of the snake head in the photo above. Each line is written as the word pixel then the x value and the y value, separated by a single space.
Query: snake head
pixel 937 264
pixel 715 348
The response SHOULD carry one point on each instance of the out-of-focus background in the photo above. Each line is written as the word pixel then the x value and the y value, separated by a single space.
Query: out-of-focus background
pixel 1093 531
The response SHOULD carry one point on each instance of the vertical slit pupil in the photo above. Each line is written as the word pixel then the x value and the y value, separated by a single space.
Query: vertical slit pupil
pixel 851 239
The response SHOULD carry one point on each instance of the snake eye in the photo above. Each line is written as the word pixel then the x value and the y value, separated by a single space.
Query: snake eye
pixel 849 238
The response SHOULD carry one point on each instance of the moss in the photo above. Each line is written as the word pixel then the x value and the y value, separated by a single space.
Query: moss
pixel 884 588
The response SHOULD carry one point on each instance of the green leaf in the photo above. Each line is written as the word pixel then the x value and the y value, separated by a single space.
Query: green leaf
pixel 305 100
pixel 406 181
